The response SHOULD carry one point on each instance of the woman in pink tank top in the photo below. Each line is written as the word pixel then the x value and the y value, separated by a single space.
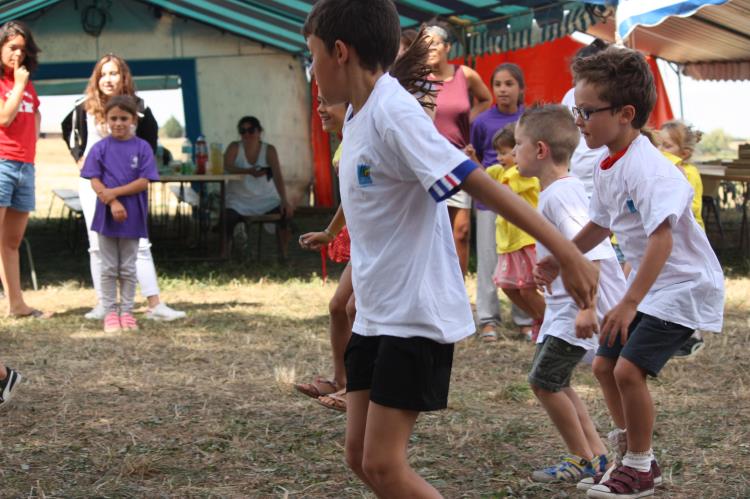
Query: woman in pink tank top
pixel 461 97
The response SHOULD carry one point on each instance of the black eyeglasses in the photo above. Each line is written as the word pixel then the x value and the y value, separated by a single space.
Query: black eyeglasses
pixel 248 130
pixel 579 112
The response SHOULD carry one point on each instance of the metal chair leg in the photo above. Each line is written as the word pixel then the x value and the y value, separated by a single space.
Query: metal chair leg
pixel 31 263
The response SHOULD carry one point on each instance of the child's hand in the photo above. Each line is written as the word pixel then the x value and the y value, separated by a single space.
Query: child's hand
pixel 20 75
pixel 580 278
pixel 106 196
pixel 118 211
pixel 314 240
pixel 616 323
pixel 545 271
pixel 586 323
pixel 471 153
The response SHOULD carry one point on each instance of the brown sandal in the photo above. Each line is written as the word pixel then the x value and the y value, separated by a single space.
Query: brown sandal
pixel 320 387
pixel 335 401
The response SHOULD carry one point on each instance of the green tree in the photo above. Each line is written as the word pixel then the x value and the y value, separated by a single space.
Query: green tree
pixel 714 142
pixel 171 129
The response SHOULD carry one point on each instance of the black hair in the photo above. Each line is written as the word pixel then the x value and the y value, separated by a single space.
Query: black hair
pixel 412 71
pixel 592 48
pixel 517 73
pixel 14 28
pixel 371 27
pixel 249 120
pixel 125 102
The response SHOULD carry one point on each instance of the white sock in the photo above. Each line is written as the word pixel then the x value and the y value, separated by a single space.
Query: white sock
pixel 640 461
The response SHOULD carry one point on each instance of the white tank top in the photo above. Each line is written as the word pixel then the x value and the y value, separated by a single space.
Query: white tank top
pixel 252 195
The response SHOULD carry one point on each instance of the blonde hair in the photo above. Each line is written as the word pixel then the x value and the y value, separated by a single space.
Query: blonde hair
pixel 683 135
pixel 554 125
pixel 95 99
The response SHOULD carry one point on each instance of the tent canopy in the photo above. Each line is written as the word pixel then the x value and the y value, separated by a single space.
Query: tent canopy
pixel 710 38
pixel 497 25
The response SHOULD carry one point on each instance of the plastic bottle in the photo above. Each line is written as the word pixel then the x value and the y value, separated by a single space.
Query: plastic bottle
pixel 201 155
pixel 186 158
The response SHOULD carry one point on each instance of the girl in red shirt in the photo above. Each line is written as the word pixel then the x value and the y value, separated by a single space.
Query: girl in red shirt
pixel 19 128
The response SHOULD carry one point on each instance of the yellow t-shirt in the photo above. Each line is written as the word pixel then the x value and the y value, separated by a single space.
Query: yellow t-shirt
pixel 508 237
pixel 694 178
pixel 337 156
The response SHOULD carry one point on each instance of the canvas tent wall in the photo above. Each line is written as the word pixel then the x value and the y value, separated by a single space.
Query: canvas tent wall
pixel 223 76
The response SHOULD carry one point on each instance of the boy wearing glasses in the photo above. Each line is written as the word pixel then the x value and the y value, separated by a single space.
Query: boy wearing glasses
pixel 676 285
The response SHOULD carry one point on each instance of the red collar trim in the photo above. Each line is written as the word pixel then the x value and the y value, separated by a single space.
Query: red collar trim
pixel 610 161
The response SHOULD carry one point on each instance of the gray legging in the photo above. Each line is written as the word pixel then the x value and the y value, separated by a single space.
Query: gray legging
pixel 118 264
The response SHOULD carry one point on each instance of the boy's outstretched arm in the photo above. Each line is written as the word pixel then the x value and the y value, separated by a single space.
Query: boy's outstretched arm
pixel 546 270
pixel 579 275
pixel 617 320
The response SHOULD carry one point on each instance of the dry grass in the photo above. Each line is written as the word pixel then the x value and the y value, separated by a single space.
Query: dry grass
pixel 205 408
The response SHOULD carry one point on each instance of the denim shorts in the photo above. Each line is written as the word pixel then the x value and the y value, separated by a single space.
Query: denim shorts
pixel 17 185
pixel 651 343
pixel 554 363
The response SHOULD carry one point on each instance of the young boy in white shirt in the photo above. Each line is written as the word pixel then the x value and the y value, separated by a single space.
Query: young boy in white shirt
pixel 545 140
pixel 411 300
pixel 676 285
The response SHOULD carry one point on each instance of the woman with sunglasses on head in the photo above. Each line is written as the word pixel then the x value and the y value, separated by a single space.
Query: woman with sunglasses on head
pixel 83 127
pixel 461 97
pixel 262 190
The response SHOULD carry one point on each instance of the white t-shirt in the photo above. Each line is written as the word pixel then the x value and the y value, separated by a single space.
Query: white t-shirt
pixel 565 204
pixel 632 198
pixel 405 272
pixel 584 160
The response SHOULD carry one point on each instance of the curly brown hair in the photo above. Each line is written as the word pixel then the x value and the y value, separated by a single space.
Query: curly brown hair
pixel 95 99
pixel 622 77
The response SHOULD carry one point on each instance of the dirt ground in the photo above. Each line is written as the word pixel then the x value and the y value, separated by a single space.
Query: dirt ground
pixel 205 407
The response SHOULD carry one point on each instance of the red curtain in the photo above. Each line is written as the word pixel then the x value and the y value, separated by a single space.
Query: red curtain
pixel 321 146
pixel 663 109
pixel 546 68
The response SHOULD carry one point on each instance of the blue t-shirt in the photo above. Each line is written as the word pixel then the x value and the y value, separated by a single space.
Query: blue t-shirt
pixel 117 163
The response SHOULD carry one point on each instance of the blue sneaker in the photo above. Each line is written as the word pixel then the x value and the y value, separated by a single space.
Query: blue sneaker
pixel 571 469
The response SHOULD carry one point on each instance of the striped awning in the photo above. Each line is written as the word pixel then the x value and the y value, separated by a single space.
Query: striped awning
pixel 488 25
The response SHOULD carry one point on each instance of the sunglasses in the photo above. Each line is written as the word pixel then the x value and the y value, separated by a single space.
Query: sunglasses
pixel 247 130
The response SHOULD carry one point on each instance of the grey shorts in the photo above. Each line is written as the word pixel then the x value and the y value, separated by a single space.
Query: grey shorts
pixel 651 343
pixel 553 364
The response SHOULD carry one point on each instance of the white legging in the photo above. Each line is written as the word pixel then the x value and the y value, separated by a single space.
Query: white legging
pixel 144 264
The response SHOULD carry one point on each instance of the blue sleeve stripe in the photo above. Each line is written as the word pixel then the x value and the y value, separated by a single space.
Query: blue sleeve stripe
pixel 450 184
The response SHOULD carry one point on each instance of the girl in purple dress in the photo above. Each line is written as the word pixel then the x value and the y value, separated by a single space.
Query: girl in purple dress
pixel 120 167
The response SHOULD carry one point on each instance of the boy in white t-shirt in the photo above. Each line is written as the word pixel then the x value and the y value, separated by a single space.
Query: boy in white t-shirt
pixel 545 140
pixel 676 285
pixel 411 300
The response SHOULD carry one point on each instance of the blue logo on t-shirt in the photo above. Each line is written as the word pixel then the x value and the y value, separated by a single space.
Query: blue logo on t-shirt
pixel 363 174
pixel 631 206
pixel 134 162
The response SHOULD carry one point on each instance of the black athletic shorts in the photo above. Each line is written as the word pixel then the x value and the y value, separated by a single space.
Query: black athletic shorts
pixel 404 373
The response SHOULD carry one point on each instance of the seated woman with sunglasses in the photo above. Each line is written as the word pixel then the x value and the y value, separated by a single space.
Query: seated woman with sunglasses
pixel 262 190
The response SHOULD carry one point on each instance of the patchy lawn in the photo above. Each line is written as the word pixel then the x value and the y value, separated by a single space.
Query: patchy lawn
pixel 204 407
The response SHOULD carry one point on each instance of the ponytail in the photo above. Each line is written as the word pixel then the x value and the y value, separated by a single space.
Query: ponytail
pixel 411 71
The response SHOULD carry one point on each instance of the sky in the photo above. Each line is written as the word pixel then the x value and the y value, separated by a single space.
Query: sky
pixel 163 103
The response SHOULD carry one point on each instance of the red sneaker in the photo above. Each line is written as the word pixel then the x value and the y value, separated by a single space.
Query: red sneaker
pixel 624 483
